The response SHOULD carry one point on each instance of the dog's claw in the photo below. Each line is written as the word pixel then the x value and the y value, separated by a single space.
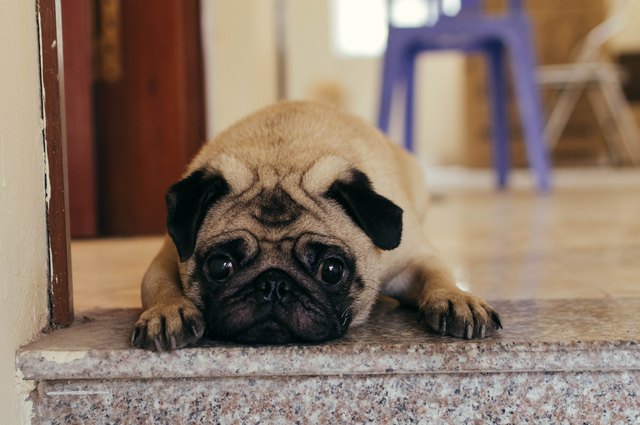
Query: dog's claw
pixel 495 317
pixel 134 335
pixel 197 331
pixel 443 325
pixel 158 344
pixel 168 327
pixel 456 313
pixel 469 334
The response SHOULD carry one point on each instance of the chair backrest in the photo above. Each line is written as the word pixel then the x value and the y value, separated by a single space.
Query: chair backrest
pixel 471 7
pixel 435 10
pixel 474 6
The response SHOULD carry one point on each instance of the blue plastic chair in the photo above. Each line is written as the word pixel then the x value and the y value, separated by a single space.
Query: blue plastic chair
pixel 471 30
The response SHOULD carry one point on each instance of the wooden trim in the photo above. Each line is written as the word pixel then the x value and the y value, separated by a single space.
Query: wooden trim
pixel 60 294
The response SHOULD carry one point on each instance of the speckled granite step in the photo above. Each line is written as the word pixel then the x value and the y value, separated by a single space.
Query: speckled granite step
pixel 573 360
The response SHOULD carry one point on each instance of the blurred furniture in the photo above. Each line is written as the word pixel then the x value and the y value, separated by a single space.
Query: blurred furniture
pixel 592 73
pixel 469 29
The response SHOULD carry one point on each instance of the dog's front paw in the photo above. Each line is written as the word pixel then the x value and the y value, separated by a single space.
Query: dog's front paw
pixel 456 313
pixel 168 326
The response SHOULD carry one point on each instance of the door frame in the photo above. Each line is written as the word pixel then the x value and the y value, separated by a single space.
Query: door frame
pixel 60 287
pixel 56 189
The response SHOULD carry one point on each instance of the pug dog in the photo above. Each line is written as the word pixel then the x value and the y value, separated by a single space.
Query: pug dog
pixel 286 228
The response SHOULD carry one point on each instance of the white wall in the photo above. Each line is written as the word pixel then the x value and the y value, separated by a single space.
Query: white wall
pixel 23 241
pixel 315 67
pixel 239 38
pixel 239 45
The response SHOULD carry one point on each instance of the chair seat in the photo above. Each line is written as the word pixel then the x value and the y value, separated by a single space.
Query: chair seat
pixel 493 36
pixel 458 34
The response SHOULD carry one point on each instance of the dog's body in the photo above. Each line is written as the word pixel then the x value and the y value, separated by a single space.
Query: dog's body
pixel 287 226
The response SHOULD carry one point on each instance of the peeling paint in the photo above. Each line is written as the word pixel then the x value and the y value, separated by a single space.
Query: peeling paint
pixel 47 182
pixel 43 125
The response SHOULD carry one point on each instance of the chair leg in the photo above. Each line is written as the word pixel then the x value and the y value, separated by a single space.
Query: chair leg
pixel 524 68
pixel 409 66
pixel 391 73
pixel 607 124
pixel 624 119
pixel 561 112
pixel 499 114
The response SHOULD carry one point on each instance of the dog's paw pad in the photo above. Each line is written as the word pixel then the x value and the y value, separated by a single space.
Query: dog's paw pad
pixel 456 313
pixel 167 327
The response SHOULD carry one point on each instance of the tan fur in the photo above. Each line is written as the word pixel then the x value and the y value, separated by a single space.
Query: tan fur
pixel 303 147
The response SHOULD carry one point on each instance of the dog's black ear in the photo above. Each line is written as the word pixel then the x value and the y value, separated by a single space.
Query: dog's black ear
pixel 380 218
pixel 188 202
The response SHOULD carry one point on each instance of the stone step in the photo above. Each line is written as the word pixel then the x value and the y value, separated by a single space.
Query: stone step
pixel 555 360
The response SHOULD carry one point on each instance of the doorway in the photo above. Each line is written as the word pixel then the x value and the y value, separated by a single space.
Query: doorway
pixel 124 125
pixel 134 101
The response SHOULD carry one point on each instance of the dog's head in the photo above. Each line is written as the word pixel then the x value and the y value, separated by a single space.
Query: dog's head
pixel 273 257
pixel 272 262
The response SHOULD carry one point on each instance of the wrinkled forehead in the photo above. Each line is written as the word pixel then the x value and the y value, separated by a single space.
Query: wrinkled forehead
pixel 269 216
pixel 271 197
pixel 275 200
pixel 250 175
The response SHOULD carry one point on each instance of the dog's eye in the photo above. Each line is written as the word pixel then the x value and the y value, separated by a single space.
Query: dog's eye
pixel 220 268
pixel 331 270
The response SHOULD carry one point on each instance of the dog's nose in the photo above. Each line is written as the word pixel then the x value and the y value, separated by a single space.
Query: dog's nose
pixel 275 285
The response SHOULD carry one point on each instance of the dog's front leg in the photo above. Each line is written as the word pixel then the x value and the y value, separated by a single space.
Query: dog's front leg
pixel 169 320
pixel 444 308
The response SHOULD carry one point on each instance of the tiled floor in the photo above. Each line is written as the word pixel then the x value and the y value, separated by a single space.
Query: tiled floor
pixel 107 272
pixel 581 241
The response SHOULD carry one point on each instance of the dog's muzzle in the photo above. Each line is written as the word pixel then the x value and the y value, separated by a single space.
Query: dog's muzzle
pixel 275 308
